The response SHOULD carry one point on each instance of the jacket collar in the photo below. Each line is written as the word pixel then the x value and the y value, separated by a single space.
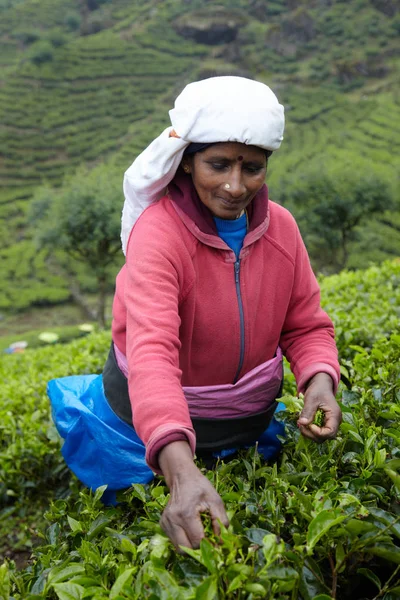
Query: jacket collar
pixel 199 218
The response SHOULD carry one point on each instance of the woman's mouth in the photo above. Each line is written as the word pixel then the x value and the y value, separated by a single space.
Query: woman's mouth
pixel 232 204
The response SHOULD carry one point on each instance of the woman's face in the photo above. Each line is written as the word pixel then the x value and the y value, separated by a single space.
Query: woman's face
pixel 241 167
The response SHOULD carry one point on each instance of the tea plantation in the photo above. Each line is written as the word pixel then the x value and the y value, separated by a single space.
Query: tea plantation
pixel 85 82
pixel 322 522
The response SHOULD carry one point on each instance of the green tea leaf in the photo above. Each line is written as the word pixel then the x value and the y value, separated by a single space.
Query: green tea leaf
pixel 209 556
pixel 371 576
pixel 358 527
pixel 387 518
pixel 99 492
pixel 139 491
pixel 395 477
pixel 321 524
pixel 385 550
pixel 120 582
pixel 58 574
pixel 74 524
pixel 256 535
pixel 236 583
pixel 68 591
pixel 97 526
pixel 5 584
pixel 256 588
pixel 283 573
pixel 207 590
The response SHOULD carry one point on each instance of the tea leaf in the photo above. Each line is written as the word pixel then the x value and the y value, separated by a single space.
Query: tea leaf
pixel 120 582
pixel 74 524
pixel 5 585
pixel 321 524
pixel 371 576
pixel 68 591
pixel 208 589
pixel 58 574
pixel 209 556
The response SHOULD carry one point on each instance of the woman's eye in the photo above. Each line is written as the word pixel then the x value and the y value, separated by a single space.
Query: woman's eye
pixel 253 170
pixel 218 166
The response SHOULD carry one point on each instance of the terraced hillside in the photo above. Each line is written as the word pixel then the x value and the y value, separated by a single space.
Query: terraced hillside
pixel 85 81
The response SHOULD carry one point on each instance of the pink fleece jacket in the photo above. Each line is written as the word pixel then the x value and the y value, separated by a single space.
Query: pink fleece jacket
pixel 176 314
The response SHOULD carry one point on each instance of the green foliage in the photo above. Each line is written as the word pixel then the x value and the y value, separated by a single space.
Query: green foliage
pixel 82 218
pixel 65 334
pixel 28 36
pixel 331 204
pixel 33 282
pixel 69 99
pixel 29 445
pixel 41 52
pixel 321 523
pixel 364 306
pixel 73 21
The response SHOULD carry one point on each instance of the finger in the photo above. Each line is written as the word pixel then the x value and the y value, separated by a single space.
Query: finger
pixel 328 430
pixel 194 529
pixel 307 415
pixel 333 417
pixel 305 432
pixel 176 534
pixel 189 522
pixel 218 515
pixel 320 434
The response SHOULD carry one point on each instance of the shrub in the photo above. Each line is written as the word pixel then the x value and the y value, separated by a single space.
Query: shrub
pixel 321 524
pixel 28 36
pixel 41 52
pixel 73 21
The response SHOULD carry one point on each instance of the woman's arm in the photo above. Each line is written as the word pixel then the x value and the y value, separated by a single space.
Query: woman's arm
pixel 191 495
pixel 308 342
pixel 155 285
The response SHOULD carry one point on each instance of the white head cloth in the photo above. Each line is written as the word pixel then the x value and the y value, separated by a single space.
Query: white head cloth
pixel 219 109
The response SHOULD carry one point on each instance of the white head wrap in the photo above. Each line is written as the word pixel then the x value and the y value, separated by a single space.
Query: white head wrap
pixel 219 109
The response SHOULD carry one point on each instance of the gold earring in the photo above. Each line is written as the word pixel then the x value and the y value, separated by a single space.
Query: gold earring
pixel 186 168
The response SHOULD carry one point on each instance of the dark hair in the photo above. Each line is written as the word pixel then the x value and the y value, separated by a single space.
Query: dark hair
pixel 193 148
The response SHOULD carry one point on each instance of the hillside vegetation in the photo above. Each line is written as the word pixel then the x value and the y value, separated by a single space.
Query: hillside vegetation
pixel 90 81
pixel 321 523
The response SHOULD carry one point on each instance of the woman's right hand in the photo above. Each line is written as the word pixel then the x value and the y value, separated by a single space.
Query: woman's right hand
pixel 191 494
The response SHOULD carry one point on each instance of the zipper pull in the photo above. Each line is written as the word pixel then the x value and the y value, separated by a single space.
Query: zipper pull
pixel 237 268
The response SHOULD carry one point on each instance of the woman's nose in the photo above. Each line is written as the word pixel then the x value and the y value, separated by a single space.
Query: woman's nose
pixel 236 186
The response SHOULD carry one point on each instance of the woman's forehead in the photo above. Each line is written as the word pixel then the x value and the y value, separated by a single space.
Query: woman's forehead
pixel 234 151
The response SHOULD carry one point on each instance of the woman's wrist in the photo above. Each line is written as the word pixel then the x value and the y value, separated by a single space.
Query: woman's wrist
pixel 321 379
pixel 175 460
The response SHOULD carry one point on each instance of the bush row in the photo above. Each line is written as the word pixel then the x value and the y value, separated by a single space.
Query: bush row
pixel 320 524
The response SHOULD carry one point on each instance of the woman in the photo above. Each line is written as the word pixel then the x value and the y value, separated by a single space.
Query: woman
pixel 217 284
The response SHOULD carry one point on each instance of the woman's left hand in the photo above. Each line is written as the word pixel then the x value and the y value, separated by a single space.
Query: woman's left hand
pixel 319 395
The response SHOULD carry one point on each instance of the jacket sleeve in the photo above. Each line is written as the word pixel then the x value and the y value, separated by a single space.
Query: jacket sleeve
pixel 307 338
pixel 152 292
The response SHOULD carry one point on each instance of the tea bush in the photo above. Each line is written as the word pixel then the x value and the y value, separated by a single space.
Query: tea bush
pixel 322 522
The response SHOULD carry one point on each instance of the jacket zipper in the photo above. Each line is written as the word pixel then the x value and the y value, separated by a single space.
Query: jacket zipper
pixel 240 303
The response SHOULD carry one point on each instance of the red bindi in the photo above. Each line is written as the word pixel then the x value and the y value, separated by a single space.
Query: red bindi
pixel 240 157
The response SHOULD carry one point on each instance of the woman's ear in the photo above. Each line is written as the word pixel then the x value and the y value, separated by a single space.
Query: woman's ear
pixel 186 164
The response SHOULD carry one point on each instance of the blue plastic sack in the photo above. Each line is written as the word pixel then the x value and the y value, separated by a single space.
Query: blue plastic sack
pixel 100 448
